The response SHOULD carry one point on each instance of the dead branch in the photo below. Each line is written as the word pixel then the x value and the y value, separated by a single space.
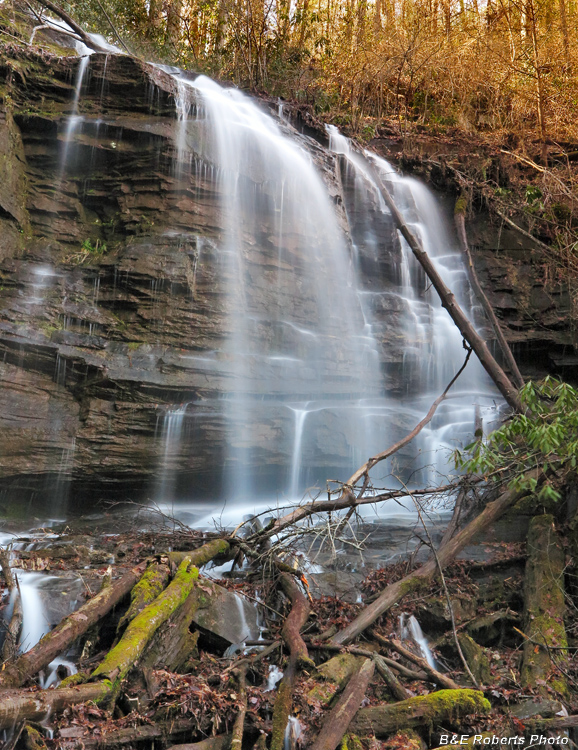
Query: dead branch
pixel 433 674
pixel 417 579
pixel 239 725
pixel 90 43
pixel 460 221
pixel 35 706
pixel 10 646
pixel 335 726
pixel 366 468
pixel 448 300
pixel 394 685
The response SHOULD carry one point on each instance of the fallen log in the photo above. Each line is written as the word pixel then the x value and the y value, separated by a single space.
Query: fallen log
pixel 449 302
pixel 122 657
pixel 335 726
pixel 424 710
pixel 298 656
pixel 72 627
pixel 220 742
pixel 416 580
pixel 16 705
pixel 239 725
pixel 433 674
pixel 12 634
pixel 127 735
pixel 544 606
pixel 150 585
pixel 387 675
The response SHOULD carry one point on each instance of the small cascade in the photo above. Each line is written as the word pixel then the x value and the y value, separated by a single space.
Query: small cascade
pixel 275 676
pixel 300 417
pixel 73 120
pixel 34 590
pixel 292 733
pixel 410 630
pixel 63 480
pixel 171 434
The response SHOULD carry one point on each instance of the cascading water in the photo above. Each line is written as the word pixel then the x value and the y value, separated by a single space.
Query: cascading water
pixel 432 345
pixel 297 346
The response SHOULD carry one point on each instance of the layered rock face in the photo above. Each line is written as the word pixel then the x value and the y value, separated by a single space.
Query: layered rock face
pixel 116 301
pixel 116 307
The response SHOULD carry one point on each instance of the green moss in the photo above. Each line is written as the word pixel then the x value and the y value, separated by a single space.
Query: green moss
pixel 74 679
pixel 351 742
pixel 121 658
pixel 461 205
pixel 145 591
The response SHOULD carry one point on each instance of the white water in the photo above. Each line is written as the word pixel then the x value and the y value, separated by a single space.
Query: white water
pixel 292 733
pixel 171 435
pixel 296 330
pixel 410 630
pixel 275 676
pixel 433 346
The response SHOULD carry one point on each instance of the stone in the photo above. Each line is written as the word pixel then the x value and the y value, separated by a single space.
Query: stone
pixel 223 617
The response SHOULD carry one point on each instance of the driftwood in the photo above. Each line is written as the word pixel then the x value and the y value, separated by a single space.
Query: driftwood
pixel 72 627
pixel 433 674
pixel 417 579
pixel 335 726
pixel 427 710
pixel 544 605
pixel 298 656
pixel 448 300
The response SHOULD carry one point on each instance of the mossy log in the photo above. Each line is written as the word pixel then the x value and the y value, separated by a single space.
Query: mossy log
pixel 72 627
pixel 476 658
pixel 333 676
pixel 420 578
pixel 150 585
pixel 122 657
pixel 298 655
pixel 16 705
pixel 336 724
pixel 424 710
pixel 33 739
pixel 544 605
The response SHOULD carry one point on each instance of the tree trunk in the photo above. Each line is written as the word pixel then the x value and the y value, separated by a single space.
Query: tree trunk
pixel 505 386
pixel 544 606
pixel 335 726
pixel 72 627
pixel 427 710
pixel 416 580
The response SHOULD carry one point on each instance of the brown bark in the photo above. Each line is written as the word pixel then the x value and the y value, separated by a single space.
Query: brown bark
pixel 435 676
pixel 10 646
pixel 130 735
pixel 448 300
pixel 335 726
pixel 220 742
pixel 426 710
pixel 239 725
pixel 414 581
pixel 459 217
pixel 71 628
pixel 298 656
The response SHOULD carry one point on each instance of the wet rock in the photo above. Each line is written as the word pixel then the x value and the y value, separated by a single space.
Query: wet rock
pixel 477 660
pixel 434 613
pixel 222 617
pixel 534 707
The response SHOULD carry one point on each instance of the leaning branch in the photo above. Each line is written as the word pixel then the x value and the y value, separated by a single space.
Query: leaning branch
pixel 460 221
pixel 414 581
pixel 366 468
pixel 74 26
pixel 448 300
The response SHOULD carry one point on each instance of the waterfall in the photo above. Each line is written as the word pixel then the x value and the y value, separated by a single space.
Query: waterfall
pixel 432 345
pixel 297 332
pixel 172 431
